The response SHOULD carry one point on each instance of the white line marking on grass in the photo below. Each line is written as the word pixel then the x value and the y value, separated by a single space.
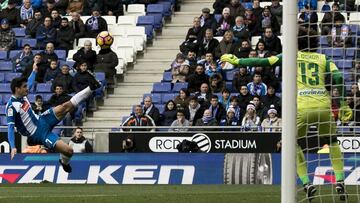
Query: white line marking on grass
pixel 56 196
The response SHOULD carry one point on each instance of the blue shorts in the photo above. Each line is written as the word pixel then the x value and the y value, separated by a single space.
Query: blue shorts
pixel 43 135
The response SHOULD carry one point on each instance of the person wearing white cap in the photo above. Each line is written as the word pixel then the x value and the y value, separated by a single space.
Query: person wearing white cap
pixel 272 123
pixel 230 120
pixel 250 121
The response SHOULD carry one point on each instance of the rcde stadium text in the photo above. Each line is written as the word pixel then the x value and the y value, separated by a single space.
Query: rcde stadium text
pixel 235 144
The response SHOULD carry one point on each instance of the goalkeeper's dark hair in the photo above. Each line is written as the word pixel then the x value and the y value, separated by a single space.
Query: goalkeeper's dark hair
pixel 17 83
pixel 308 39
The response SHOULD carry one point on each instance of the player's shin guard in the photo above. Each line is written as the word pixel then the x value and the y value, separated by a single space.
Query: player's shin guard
pixel 80 96
pixel 64 159
pixel 301 166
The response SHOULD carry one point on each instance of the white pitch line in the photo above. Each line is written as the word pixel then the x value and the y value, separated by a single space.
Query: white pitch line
pixel 57 196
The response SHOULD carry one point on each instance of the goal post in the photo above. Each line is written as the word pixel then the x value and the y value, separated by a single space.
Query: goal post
pixel 289 105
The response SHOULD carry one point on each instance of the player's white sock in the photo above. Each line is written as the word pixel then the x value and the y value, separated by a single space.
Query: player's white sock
pixel 80 96
pixel 64 159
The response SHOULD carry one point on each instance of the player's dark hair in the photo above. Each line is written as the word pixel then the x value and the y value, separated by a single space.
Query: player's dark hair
pixel 38 96
pixel 17 82
pixel 308 39
pixel 214 96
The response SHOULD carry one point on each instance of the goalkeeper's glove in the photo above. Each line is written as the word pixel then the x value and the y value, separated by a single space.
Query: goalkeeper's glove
pixel 345 112
pixel 230 58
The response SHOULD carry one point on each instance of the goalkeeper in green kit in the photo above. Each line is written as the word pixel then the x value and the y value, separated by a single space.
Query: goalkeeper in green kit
pixel 314 102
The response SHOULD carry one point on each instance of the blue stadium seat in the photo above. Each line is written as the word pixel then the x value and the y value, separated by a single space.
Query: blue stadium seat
pixel 167 8
pixel 1 99
pixel 2 109
pixel 5 88
pixel 229 75
pixel 2 77
pixel 156 98
pixel 100 76
pixel 61 54
pixel 19 32
pixel 5 66
pixel 323 41
pixel 158 18
pixel 123 119
pixel 344 64
pixel 168 96
pixel 10 76
pixel 70 63
pixel 350 53
pixel 5 98
pixel 3 55
pixel 31 97
pixel 146 20
pixel 247 4
pixel 155 8
pixel 13 53
pixel 161 108
pixel 43 87
pixel 167 76
pixel 149 32
pixel 171 1
pixel 46 96
pixel 217 17
pixel 3 120
pixel 160 87
pixel 178 86
pixel 228 85
pixel 234 94
pixel 32 42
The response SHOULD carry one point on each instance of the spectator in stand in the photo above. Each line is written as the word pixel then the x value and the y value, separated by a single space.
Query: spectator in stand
pixel 56 18
pixel 217 110
pixel 95 24
pixel 257 9
pixel 207 21
pixel 268 20
pixel 328 20
pixel 65 35
pixel 216 83
pixel 250 20
pixel 49 54
pixel 259 107
pixel 12 14
pixel 240 78
pixel 224 99
pixel 226 22
pixel 138 119
pixel 180 121
pixel 272 123
pixel 219 5
pixel 106 61
pixel 63 79
pixel 251 121
pixel 7 36
pixel 192 38
pixel 169 114
pixel 182 100
pixel 150 110
pixel 272 42
pixel 191 58
pixel 45 33
pixel 77 25
pixel 240 30
pixel 196 79
pixel 180 73
pixel 46 10
pixel 277 10
pixel 261 49
pixel 209 58
pixel 58 98
pixel 111 7
pixel 308 18
pixel 214 69
pixel 347 5
pixel 225 44
pixel 236 8
pixel 340 33
pixel 257 87
pixel 242 49
pixel 194 111
pixel 34 24
pixel 354 89
pixel 26 13
pixel 234 103
pixel 41 69
pixel 22 59
pixel 38 106
pixel 204 95
pixel 79 143
pixel 206 120
pixel 52 72
pixel 230 120
pixel 244 97
pixel 61 6
pixel 86 54
pixel 208 44
pixel 270 99
pixel 76 6
pixel 179 59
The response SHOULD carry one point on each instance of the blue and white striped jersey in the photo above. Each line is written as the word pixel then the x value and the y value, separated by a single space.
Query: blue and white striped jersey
pixel 20 113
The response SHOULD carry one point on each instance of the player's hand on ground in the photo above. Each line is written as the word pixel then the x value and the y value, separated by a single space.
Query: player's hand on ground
pixel 229 58
pixel 13 152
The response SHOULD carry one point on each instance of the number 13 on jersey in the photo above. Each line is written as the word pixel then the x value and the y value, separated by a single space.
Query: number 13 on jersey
pixel 309 73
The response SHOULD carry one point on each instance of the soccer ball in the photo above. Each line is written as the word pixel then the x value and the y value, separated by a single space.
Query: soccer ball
pixel 104 39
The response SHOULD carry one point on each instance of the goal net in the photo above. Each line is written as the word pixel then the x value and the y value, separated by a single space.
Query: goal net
pixel 328 102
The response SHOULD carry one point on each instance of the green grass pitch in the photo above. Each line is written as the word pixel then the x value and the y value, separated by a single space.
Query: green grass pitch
pixel 51 193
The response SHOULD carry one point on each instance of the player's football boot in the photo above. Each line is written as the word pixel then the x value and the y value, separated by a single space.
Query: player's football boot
pixel 94 84
pixel 67 168
pixel 340 189
pixel 310 191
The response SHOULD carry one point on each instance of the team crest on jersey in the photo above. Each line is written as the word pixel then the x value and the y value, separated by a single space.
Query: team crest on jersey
pixel 10 112
pixel 25 106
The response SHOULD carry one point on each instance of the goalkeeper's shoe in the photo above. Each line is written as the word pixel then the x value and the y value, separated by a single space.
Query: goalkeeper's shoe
pixel 67 168
pixel 340 189
pixel 310 191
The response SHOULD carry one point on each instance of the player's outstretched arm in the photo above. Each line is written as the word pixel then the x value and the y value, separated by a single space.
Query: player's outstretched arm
pixel 11 138
pixel 31 78
pixel 263 62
